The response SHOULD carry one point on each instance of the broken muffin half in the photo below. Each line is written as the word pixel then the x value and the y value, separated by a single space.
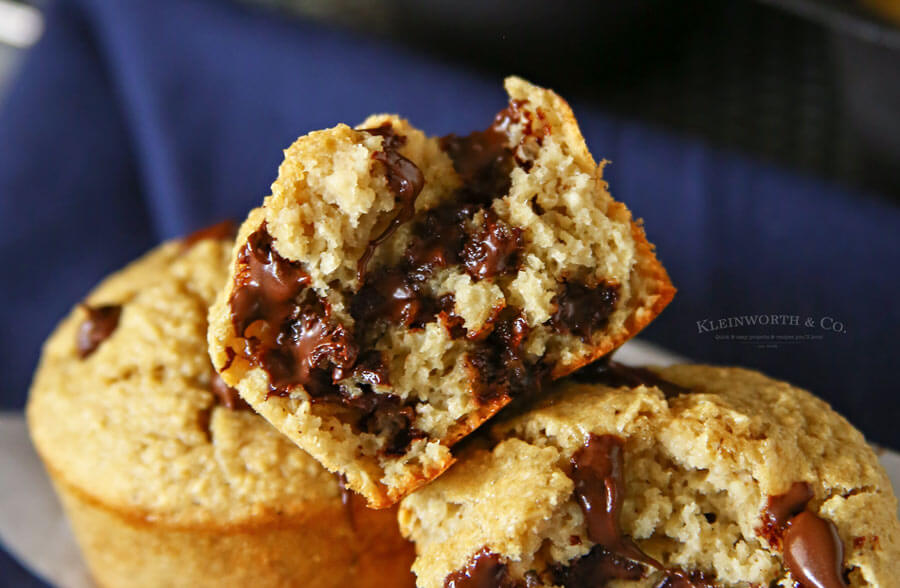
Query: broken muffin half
pixel 397 290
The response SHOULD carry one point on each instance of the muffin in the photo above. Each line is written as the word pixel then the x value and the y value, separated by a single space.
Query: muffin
pixel 167 478
pixel 397 290
pixel 688 476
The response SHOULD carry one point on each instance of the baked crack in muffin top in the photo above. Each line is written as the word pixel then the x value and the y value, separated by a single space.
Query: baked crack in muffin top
pixel 396 290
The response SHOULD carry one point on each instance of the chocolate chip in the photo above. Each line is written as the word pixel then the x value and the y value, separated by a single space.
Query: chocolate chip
pixel 499 363
pixel 484 570
pixel 582 309
pixel 494 250
pixel 596 568
pixel 96 327
pixel 288 328
pixel 597 470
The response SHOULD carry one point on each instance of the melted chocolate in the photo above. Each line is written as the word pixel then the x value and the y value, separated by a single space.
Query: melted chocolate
pixel 596 568
pixel 499 361
pixel 813 552
pixel 597 470
pixel 393 295
pixel 442 237
pixel 405 180
pixel 97 326
pixel 287 327
pixel 581 309
pixel 226 395
pixel 780 509
pixel 493 250
pixel 483 159
pixel 371 369
pixel 616 375
pixel 227 229
pixel 290 333
pixel 681 579
pixel 484 570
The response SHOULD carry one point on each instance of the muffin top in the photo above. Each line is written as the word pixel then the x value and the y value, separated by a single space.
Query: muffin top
pixel 711 477
pixel 125 406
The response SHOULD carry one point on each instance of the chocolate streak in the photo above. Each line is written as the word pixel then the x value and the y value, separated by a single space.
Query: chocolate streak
pixel 405 180
pixel 96 328
pixel 813 551
pixel 597 470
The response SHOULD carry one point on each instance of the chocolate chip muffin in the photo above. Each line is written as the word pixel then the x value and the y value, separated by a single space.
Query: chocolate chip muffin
pixel 689 476
pixel 396 290
pixel 167 477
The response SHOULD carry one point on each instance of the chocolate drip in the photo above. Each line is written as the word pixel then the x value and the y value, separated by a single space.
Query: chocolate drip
pixel 406 182
pixel 493 250
pixel 780 509
pixel 227 229
pixel 598 473
pixel 597 470
pixel 226 395
pixel 813 551
pixel 582 309
pixel 484 570
pixel 97 326
pixel 616 375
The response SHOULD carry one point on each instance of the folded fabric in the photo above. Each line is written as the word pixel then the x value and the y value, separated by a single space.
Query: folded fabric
pixel 134 122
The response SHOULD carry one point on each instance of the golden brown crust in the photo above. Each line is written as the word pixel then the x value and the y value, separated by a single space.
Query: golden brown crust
pixel 166 486
pixel 318 549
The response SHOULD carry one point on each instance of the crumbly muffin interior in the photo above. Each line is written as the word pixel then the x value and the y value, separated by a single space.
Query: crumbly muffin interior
pixel 407 287
pixel 703 475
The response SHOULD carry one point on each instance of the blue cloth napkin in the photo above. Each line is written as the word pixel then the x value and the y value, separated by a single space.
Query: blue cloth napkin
pixel 134 122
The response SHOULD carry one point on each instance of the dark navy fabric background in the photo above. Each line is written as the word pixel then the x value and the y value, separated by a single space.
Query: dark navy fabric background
pixel 134 122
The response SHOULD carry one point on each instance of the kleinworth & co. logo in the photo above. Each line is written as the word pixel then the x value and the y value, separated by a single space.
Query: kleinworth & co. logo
pixel 770 331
